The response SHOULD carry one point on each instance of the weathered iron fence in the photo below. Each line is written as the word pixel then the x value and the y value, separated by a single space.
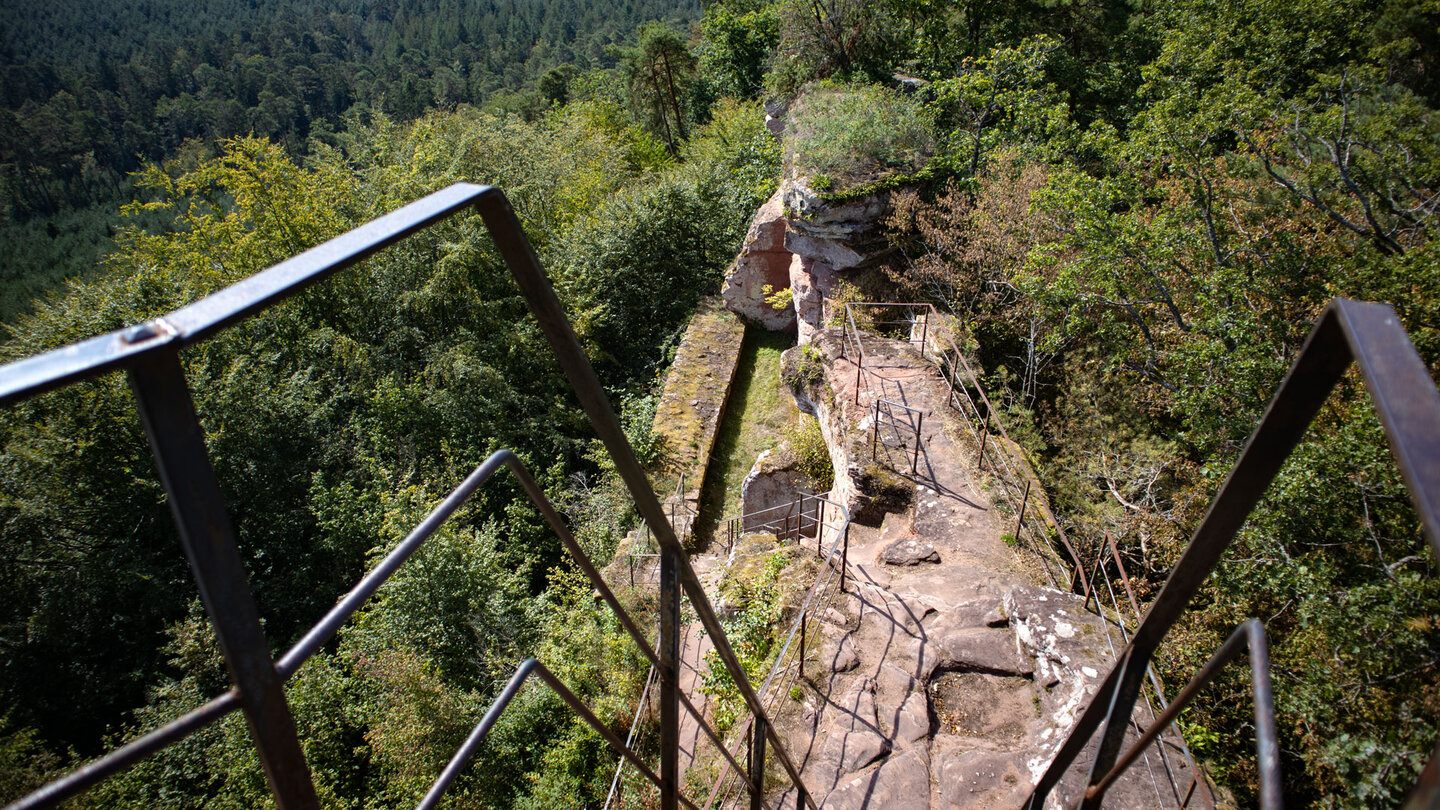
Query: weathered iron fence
pixel 896 426
pixel 832 547
pixel 1408 404
pixel 150 354
pixel 1154 692
pixel 1406 399
pixel 808 516
pixel 915 324
pixel 642 557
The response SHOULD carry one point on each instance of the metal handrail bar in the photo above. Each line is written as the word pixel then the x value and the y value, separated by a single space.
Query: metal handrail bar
pixel 1408 404
pixel 892 403
pixel 1110 643
pixel 123 348
pixel 675 565
pixel 150 353
pixel 530 667
pixel 631 736
pixel 840 544
pixel 129 754
pixel 1249 634
pixel 1120 624
pixel 330 623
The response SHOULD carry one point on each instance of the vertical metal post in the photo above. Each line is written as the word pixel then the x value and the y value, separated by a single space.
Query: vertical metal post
pixel 757 765
pixel 915 460
pixel 859 364
pixel 178 444
pixel 875 430
pixel 844 555
pixel 954 375
pixel 984 434
pixel 669 680
pixel 1267 746
pixel 1024 501
pixel 803 617
pixel 1124 577
pixel 924 334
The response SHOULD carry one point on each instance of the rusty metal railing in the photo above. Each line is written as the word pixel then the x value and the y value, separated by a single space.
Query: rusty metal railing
pixel 150 354
pixel 1408 404
pixel 920 325
pixel 904 423
pixel 806 516
pixel 789 662
pixel 917 325
pixel 1153 693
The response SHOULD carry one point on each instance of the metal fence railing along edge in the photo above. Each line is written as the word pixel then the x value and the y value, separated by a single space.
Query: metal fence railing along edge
pixel 919 328
pixel 150 354
pixel 1367 335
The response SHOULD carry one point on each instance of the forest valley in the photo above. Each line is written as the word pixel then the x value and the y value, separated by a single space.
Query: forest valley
pixel 1136 211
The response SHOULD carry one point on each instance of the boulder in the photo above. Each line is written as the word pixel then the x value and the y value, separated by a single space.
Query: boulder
pixel 909 551
pixel 983 649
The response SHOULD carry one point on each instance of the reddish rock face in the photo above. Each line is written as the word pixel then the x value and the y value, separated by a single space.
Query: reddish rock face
pixel 763 260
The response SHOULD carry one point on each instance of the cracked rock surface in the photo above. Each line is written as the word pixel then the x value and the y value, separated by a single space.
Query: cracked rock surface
pixel 950 675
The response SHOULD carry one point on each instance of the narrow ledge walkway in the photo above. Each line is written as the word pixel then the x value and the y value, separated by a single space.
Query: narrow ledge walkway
pixel 947 674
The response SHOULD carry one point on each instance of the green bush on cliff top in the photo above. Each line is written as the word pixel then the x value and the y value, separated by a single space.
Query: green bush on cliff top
pixel 847 136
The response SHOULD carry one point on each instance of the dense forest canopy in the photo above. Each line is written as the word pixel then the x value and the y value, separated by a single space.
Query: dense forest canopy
pixel 89 95
pixel 1134 210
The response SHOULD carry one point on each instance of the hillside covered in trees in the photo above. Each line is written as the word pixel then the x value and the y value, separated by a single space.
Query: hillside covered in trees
pixel 92 93
pixel 1137 211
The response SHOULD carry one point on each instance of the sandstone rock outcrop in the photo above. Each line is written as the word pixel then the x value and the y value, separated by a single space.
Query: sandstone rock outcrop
pixel 769 495
pixel 763 260
pixel 800 241
pixel 949 684
pixel 826 239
